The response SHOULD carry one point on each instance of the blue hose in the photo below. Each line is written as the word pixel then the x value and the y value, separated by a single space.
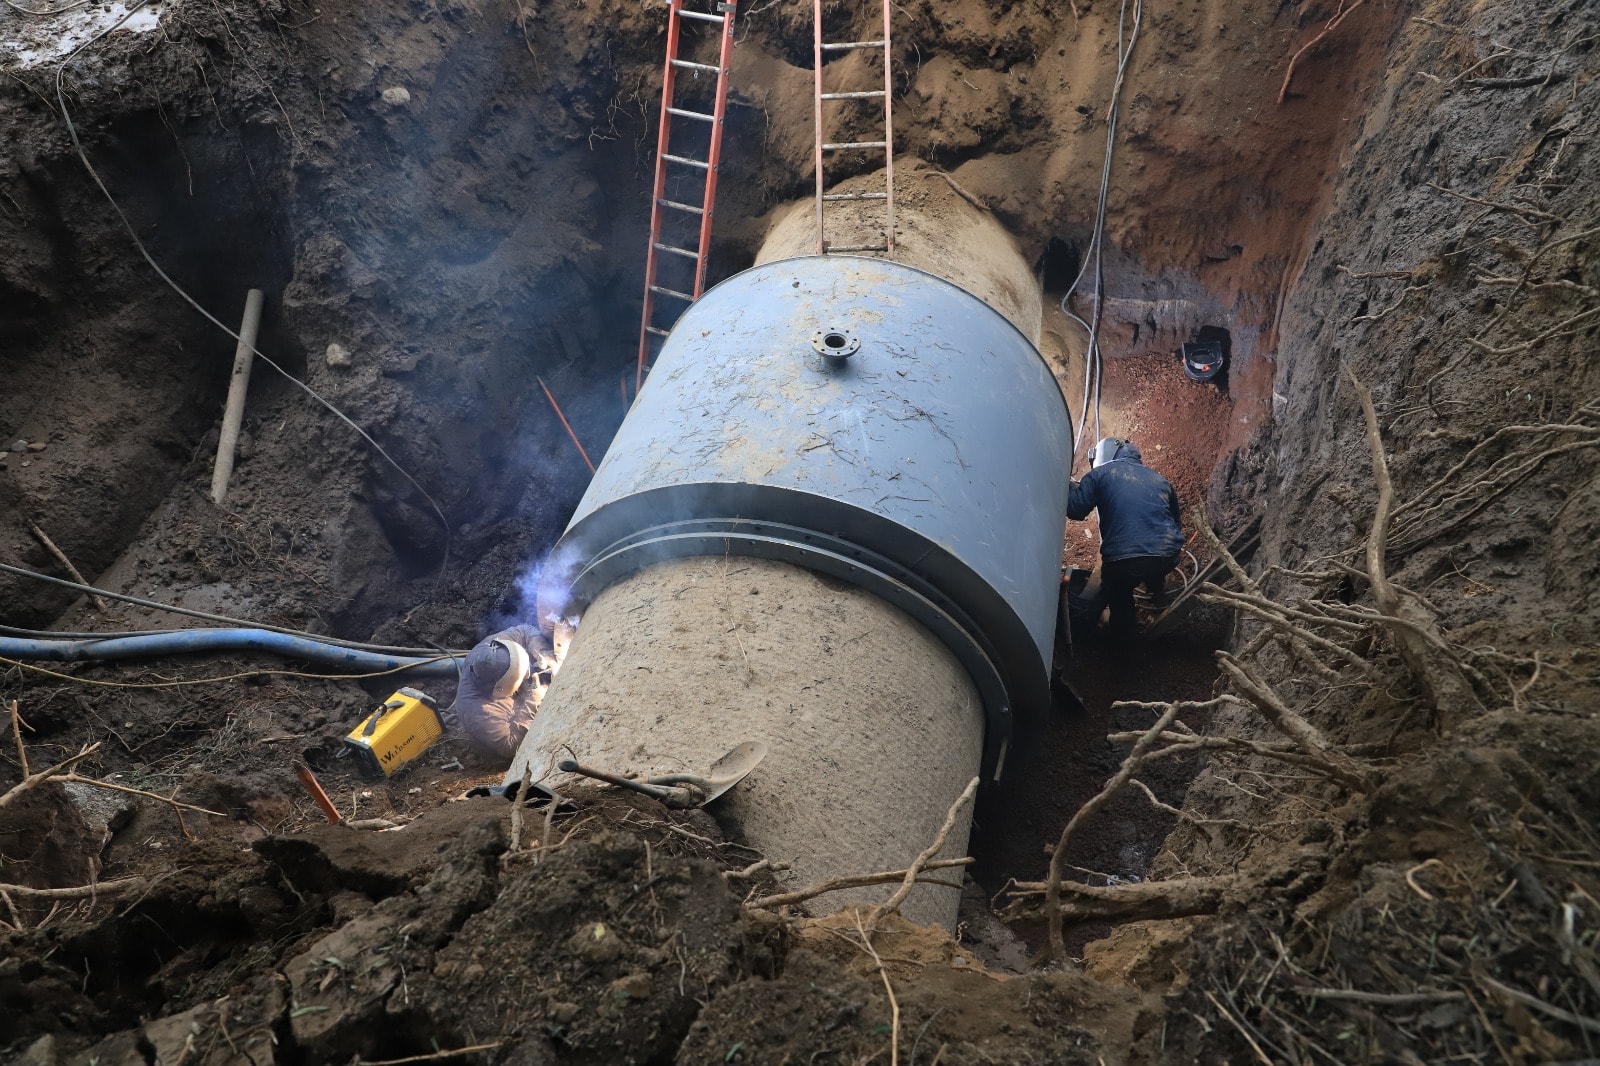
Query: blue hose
pixel 190 641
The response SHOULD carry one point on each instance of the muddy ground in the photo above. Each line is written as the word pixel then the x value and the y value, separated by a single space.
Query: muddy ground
pixel 447 199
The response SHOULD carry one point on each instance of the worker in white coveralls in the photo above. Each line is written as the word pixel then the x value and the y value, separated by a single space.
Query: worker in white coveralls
pixel 1141 532
pixel 499 690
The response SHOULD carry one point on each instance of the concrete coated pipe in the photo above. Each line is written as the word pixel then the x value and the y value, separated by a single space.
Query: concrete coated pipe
pixel 872 726
pixel 832 521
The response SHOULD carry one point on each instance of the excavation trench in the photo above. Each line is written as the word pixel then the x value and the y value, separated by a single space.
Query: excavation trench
pixel 446 205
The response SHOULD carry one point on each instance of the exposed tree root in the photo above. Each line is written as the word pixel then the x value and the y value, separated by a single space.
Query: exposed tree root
pixel 1443 686
pixel 839 884
pixel 1145 901
pixel 1055 947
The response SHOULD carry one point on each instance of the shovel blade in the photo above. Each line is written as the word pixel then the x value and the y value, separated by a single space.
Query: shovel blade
pixel 731 768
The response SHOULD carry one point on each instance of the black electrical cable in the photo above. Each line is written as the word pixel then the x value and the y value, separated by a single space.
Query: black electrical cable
pixel 1093 370
pixel 207 616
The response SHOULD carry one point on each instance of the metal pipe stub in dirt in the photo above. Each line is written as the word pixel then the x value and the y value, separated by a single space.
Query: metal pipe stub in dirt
pixel 884 451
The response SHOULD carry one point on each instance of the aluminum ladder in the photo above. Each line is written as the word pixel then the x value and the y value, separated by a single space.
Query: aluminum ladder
pixel 687 222
pixel 824 146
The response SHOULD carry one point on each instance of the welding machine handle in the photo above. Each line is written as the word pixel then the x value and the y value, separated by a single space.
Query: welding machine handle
pixel 372 722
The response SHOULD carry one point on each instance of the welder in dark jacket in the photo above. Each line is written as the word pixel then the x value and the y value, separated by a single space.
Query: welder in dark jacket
pixel 1141 533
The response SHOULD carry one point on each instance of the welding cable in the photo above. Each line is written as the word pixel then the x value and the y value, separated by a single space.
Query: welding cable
pixel 72 131
pixel 1093 374
pixel 382 649
pixel 62 634
pixel 241 676
pixel 206 641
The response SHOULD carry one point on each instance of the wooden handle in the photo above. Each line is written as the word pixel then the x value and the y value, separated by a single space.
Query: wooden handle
pixel 309 780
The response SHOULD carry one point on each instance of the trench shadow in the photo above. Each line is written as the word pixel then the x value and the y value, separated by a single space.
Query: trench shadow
pixel 1058 762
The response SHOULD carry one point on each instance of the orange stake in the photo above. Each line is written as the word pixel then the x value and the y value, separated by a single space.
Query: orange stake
pixel 309 779
pixel 565 424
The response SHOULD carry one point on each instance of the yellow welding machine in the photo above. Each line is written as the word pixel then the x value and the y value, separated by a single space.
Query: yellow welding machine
pixel 403 727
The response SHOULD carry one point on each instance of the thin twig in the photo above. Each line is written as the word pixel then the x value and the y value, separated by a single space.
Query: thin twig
pixel 1588 1025
pixel 33 780
pixel 1245 581
pixel 839 884
pixel 957 189
pixel 1180 744
pixel 1452 476
pixel 517 813
pixel 1306 736
pixel 758 867
pixel 1056 946
pixel 1388 999
pixel 1183 815
pixel 1214 590
pixel 1262 1055
pixel 1288 631
pixel 894 1004
pixel 432 1056
pixel 1527 272
pixel 1561 328
pixel 61 557
pixel 916 867
pixel 16 734
pixel 1516 209
pixel 103 888
pixel 1333 24
pixel 549 818
pixel 11 909
pixel 79 779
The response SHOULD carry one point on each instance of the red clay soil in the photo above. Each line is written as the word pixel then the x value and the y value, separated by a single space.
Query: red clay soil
pixel 1179 425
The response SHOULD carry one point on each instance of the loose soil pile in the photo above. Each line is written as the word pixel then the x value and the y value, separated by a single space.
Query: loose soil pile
pixel 448 200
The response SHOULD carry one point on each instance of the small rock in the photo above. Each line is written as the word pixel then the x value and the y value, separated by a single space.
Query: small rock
pixel 19 445
pixel 25 463
pixel 338 355
pixel 102 810
pixel 560 1012
pixel 42 1052
pixel 634 986
pixel 37 446
pixel 396 96
pixel 595 943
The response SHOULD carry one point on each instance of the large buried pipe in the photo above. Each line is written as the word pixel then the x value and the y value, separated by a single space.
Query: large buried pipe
pixel 831 522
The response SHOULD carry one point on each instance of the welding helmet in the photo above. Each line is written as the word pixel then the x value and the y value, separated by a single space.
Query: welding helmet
pixel 1111 448
pixel 500 663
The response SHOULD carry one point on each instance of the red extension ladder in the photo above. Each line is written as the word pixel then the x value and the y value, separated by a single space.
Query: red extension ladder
pixel 676 222
pixel 886 145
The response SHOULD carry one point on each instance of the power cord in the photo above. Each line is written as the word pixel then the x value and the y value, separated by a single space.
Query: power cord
pixel 155 605
pixel 211 680
pixel 1093 371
